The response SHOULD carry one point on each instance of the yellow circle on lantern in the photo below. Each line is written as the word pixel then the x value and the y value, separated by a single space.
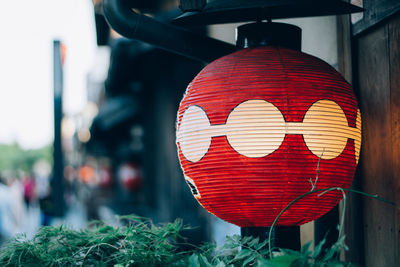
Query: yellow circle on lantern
pixel 326 130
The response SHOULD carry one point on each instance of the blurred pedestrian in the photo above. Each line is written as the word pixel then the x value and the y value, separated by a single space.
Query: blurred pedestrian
pixel 41 170
pixel 6 214
pixel 11 207
pixel 29 189
pixel 17 200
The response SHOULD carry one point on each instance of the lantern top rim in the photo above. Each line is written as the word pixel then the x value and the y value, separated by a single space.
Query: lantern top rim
pixel 232 11
pixel 268 34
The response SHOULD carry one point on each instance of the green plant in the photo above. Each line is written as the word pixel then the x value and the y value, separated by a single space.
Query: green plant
pixel 138 242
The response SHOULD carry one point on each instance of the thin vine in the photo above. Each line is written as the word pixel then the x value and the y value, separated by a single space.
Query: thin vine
pixel 323 191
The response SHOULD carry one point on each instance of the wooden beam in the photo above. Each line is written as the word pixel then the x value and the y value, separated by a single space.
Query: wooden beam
pixel 375 12
pixel 394 46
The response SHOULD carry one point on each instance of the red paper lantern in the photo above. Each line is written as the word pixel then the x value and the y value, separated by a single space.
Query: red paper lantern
pixel 105 177
pixel 252 127
pixel 130 177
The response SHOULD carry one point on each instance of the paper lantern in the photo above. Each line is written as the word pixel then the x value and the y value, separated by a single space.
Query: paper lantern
pixel 130 177
pixel 105 177
pixel 252 127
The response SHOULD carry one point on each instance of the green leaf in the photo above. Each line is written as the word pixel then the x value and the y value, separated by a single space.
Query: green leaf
pixel 301 262
pixel 244 253
pixel 284 260
pixel 262 244
pixel 290 252
pixel 248 260
pixel 335 249
pixel 221 264
pixel 246 239
pixel 341 240
pixel 336 264
pixel 204 261
pixel 232 242
pixel 253 242
pixel 194 261
pixel 305 249
pixel 330 253
pixel 265 263
pixel 318 248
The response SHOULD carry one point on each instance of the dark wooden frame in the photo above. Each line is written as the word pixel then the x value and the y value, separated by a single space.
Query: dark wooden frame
pixel 375 12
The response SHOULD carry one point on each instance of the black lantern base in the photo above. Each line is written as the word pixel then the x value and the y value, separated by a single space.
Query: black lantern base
pixel 282 236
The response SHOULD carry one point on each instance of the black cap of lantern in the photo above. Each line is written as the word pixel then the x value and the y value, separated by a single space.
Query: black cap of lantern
pixel 268 34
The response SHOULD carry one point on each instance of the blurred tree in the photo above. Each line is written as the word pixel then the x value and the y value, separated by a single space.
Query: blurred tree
pixel 13 157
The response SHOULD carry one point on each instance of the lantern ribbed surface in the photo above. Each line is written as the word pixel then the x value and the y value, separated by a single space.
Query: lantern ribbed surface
pixel 252 127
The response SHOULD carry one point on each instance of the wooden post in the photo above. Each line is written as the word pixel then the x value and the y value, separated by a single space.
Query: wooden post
pixel 57 182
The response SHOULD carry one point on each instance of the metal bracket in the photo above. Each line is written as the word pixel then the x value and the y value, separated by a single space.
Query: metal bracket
pixel 132 25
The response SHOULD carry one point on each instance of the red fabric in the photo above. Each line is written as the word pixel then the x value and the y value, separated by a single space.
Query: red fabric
pixel 252 191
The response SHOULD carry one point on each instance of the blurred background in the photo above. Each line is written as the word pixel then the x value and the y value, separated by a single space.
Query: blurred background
pixel 87 118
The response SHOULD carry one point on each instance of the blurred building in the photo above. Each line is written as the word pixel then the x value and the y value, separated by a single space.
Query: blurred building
pixel 123 144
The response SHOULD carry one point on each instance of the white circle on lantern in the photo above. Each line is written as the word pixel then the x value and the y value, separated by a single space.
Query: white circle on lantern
pixel 325 129
pixel 194 134
pixel 255 128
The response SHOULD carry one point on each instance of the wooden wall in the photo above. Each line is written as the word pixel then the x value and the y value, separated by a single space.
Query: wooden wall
pixel 373 65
